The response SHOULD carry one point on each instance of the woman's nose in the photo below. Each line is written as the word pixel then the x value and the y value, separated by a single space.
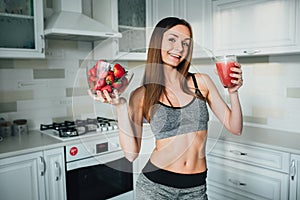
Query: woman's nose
pixel 178 46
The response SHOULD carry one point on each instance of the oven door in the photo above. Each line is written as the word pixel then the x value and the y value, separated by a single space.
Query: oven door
pixel 103 177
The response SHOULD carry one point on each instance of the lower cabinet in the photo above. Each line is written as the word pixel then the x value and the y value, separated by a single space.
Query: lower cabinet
pixel 295 177
pixel 55 174
pixel 233 180
pixel 33 176
pixel 244 172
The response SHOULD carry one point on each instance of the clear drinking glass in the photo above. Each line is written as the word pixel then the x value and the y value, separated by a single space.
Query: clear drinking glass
pixel 224 65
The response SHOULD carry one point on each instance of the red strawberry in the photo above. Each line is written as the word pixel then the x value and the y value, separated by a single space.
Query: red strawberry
pixel 117 85
pixel 97 87
pixel 92 71
pixel 110 72
pixel 110 79
pixel 92 78
pixel 102 74
pixel 107 88
pixel 101 82
pixel 119 71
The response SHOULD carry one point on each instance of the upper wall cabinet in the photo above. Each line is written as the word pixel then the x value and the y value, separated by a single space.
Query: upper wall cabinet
pixel 22 29
pixel 127 17
pixel 247 27
pixel 196 12
pixel 132 23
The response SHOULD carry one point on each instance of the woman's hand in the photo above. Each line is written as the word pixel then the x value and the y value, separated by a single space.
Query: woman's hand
pixel 105 97
pixel 238 79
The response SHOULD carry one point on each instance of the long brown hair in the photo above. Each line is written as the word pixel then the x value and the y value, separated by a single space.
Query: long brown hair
pixel 153 80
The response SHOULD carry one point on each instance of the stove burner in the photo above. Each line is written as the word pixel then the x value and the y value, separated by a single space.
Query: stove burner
pixel 79 127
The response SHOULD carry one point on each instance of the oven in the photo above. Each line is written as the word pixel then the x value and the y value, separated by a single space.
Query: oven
pixel 95 164
pixel 97 169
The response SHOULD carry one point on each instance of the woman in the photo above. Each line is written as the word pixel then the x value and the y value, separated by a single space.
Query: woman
pixel 174 102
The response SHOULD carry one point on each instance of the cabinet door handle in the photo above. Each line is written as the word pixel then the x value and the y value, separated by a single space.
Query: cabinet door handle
pixel 43 166
pixel 57 171
pixel 251 52
pixel 293 169
pixel 239 153
pixel 236 182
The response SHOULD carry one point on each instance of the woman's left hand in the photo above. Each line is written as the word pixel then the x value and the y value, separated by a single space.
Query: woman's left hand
pixel 238 79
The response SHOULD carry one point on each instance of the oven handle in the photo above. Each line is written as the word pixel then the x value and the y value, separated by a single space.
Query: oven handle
pixel 95 160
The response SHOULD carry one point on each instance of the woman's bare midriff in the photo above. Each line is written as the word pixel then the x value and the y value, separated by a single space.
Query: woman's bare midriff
pixel 184 154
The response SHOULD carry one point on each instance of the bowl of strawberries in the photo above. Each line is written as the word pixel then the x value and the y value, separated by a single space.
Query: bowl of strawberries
pixel 106 76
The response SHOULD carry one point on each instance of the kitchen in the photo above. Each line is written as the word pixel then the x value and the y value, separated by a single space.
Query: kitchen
pixel 48 86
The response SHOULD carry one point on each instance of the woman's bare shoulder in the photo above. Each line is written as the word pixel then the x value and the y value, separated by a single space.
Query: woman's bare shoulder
pixel 204 81
pixel 138 94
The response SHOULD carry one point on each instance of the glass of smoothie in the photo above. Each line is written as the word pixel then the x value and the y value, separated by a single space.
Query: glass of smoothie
pixel 223 64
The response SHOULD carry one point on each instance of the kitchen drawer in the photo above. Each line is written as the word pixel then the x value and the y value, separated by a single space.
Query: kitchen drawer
pixel 253 155
pixel 243 182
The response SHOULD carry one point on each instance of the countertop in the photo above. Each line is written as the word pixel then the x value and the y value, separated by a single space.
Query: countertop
pixel 262 137
pixel 27 143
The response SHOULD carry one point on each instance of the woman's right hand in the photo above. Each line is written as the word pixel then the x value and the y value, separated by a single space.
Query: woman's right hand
pixel 105 97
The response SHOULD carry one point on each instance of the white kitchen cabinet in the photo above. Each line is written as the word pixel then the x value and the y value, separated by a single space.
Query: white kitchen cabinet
pixel 244 172
pixel 55 174
pixel 22 177
pixel 22 29
pixel 198 14
pixel 33 176
pixel 160 9
pixel 136 20
pixel 129 21
pixel 247 27
pixel 295 177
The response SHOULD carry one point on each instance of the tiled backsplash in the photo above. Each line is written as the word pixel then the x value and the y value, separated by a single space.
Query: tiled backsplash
pixel 55 88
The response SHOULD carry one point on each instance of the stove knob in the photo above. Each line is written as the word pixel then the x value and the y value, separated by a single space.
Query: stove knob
pixel 104 128
pixel 110 128
pixel 115 127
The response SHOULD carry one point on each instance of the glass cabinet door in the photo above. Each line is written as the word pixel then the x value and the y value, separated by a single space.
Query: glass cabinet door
pixel 132 25
pixel 21 33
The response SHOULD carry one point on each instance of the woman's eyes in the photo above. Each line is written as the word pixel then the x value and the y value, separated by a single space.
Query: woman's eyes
pixel 173 40
pixel 186 44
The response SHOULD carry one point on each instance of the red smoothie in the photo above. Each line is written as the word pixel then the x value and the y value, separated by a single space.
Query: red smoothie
pixel 224 71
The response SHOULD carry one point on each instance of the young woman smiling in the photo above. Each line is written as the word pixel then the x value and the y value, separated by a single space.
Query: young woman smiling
pixel 174 102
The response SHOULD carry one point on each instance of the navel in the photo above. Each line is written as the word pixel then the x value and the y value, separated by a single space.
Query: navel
pixel 185 163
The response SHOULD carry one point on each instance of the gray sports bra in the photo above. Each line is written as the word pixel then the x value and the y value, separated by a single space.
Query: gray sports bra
pixel 170 121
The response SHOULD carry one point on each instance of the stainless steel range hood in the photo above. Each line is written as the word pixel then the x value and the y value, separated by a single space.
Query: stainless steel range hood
pixel 69 23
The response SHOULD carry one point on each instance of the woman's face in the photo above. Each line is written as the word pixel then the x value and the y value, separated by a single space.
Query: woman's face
pixel 175 45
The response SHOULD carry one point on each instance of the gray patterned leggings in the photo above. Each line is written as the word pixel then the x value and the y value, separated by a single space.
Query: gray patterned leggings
pixel 149 190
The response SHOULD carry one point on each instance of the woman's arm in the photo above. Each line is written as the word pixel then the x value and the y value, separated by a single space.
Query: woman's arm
pixel 130 120
pixel 130 125
pixel 230 117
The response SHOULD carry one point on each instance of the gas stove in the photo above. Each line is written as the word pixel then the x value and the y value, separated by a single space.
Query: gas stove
pixel 69 130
